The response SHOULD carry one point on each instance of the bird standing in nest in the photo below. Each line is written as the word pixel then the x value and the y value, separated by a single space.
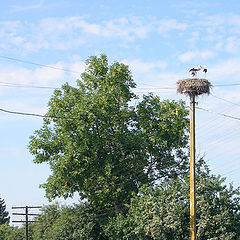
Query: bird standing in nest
pixel 205 70
pixel 194 71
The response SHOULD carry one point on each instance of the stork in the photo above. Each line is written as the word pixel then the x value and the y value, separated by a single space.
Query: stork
pixel 194 71
pixel 205 70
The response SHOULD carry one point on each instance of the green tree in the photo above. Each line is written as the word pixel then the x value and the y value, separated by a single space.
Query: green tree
pixel 11 233
pixel 4 218
pixel 162 212
pixel 61 223
pixel 99 145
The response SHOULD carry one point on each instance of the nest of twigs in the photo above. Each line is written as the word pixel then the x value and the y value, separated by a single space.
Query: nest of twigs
pixel 194 86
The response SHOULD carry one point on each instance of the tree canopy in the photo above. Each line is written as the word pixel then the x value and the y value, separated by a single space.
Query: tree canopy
pixel 100 144
pixel 162 212
pixel 4 216
pixel 158 212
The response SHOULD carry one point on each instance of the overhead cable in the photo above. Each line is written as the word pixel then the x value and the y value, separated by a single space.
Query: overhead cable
pixel 39 64
pixel 76 72
pixel 16 85
pixel 225 100
pixel 220 114
pixel 36 115
pixel 227 85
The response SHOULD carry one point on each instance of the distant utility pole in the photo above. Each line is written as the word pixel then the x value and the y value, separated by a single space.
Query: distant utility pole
pixel 26 214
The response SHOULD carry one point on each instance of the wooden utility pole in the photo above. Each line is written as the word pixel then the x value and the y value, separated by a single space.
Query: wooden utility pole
pixel 193 87
pixel 192 170
pixel 26 214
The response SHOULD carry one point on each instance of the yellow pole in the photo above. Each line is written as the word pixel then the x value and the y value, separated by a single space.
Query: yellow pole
pixel 192 170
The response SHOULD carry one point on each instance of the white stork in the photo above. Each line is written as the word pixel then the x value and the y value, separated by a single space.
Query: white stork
pixel 205 70
pixel 194 71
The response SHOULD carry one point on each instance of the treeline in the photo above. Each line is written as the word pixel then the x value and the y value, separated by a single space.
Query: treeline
pixel 155 213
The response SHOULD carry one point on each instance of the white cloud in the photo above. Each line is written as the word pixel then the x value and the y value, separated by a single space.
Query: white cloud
pixel 138 66
pixel 227 70
pixel 9 34
pixel 152 76
pixel 190 55
pixel 219 26
pixel 127 28
pixel 40 75
pixel 194 4
pixel 71 32
pixel 232 44
pixel 79 67
pixel 218 20
pixel 166 25
pixel 20 8
pixel 52 76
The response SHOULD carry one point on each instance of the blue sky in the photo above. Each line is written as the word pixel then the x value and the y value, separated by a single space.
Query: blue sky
pixel 159 40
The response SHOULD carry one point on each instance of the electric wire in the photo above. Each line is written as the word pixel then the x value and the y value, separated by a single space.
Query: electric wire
pixel 227 173
pixel 213 122
pixel 225 100
pixel 36 115
pixel 220 114
pixel 4 84
pixel 223 142
pixel 39 64
pixel 227 85
pixel 145 89
pixel 18 85
pixel 15 85
pixel 76 72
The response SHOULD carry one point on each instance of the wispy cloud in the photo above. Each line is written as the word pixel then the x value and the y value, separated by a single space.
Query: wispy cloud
pixel 140 66
pixel 226 70
pixel 21 8
pixel 190 55
pixel 71 32
pixel 194 4
pixel 37 76
pixel 166 25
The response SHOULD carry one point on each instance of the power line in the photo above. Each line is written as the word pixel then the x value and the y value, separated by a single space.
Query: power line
pixel 154 88
pixel 71 71
pixel 220 114
pixel 70 118
pixel 225 100
pixel 227 173
pixel 38 64
pixel 37 115
pixel 16 85
pixel 227 85
pixel 140 89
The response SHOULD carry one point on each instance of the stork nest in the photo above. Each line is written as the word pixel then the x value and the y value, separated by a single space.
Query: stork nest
pixel 194 86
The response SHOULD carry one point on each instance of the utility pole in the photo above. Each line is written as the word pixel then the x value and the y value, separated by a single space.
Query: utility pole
pixel 192 170
pixel 26 214
pixel 193 87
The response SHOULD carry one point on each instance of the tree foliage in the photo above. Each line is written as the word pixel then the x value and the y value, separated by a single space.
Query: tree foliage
pixel 156 212
pixel 162 212
pixel 4 218
pixel 97 143
pixel 12 233
pixel 61 223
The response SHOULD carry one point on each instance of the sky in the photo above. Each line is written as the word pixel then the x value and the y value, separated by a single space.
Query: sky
pixel 159 40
